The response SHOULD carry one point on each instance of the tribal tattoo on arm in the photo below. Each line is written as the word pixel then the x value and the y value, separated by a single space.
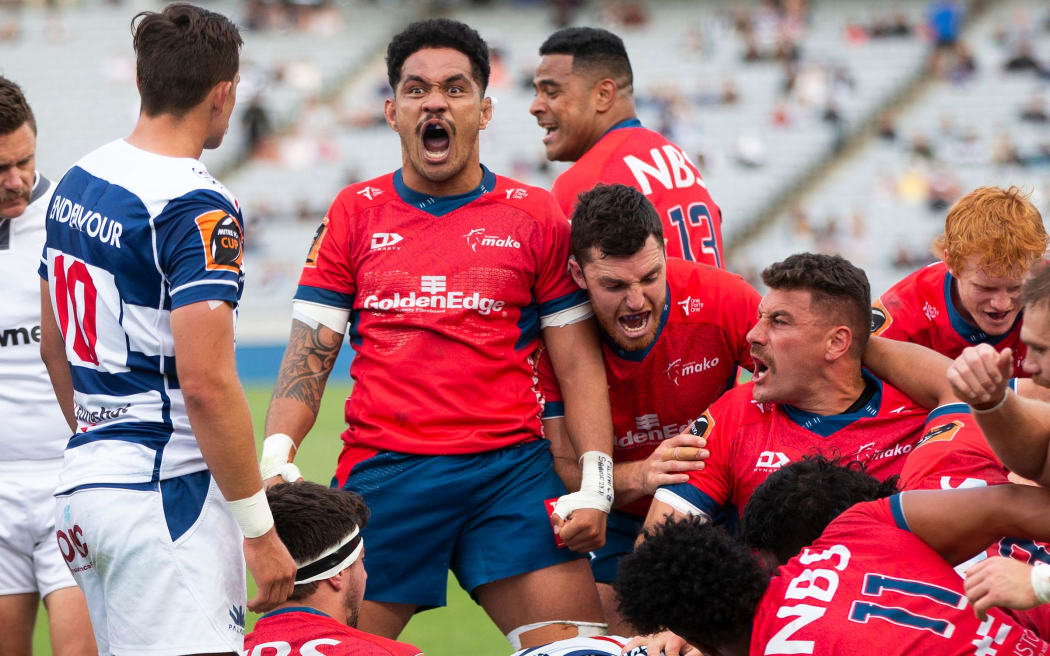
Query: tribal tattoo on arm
pixel 308 360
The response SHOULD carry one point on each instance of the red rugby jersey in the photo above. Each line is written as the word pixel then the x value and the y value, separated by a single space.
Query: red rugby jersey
pixel 302 630
pixel 952 453
pixel 748 441
pixel 447 299
pixel 637 157
pixel 870 586
pixel 919 309
pixel 657 393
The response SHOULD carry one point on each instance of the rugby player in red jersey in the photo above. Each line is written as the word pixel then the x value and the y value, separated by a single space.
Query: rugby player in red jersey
pixel 809 393
pixel 322 529
pixel 991 239
pixel 584 101
pixel 878 579
pixel 673 334
pixel 446 275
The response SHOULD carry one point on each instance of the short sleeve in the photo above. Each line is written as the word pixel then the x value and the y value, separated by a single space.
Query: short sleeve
pixel 200 243
pixel 553 404
pixel 707 490
pixel 327 277
pixel 561 301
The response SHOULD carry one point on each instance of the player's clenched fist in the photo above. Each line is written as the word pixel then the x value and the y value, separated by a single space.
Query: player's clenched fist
pixel 272 568
pixel 583 531
pixel 981 375
pixel 671 461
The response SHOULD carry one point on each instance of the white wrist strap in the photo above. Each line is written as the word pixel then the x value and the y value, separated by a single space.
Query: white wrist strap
pixel 596 486
pixel 994 407
pixel 277 451
pixel 1040 578
pixel 252 514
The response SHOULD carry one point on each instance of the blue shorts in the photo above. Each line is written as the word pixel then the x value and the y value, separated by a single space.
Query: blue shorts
pixel 482 515
pixel 621 531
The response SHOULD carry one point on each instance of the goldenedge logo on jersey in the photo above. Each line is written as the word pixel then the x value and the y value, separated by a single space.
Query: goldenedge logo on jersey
pixel 434 297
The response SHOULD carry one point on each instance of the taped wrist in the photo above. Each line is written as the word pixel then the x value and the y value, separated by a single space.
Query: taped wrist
pixel 596 486
pixel 277 451
pixel 252 514
pixel 1040 578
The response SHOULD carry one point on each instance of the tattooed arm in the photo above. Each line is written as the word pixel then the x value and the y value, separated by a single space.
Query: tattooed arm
pixel 307 362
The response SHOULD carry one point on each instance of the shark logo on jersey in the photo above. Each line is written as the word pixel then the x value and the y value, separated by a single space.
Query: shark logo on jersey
pixel 222 239
pixel 315 245
pixel 677 369
pixel 477 237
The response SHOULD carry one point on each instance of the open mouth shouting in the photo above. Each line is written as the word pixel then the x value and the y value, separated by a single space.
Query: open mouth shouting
pixel 762 370
pixel 437 141
pixel 996 317
pixel 635 326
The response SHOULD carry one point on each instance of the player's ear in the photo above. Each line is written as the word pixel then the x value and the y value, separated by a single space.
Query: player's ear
pixel 576 271
pixel 390 113
pixel 605 92
pixel 839 340
pixel 486 111
pixel 219 95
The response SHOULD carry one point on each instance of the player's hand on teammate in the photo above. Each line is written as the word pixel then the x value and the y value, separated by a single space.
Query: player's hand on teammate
pixel 583 530
pixel 672 460
pixel 272 568
pixel 999 582
pixel 665 643
pixel 981 375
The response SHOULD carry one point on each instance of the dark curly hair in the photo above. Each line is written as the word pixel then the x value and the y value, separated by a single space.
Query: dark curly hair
pixel 836 285
pixel 438 33
pixel 594 51
pixel 692 578
pixel 792 507
pixel 615 219
pixel 311 518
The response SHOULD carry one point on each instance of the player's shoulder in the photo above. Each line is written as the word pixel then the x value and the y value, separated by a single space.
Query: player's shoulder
pixel 683 275
pixel 534 201
pixel 924 282
pixel 897 403
pixel 367 194
pixel 157 181
pixel 738 407
pixel 383 645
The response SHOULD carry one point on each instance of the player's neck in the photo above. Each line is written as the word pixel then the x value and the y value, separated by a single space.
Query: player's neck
pixel 622 111
pixel 466 180
pixel 331 605
pixel 166 135
pixel 837 392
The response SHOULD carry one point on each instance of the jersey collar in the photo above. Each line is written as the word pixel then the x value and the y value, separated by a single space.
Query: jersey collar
pixel 40 187
pixel 627 123
pixel 827 425
pixel 442 205
pixel 295 609
pixel 964 328
pixel 639 355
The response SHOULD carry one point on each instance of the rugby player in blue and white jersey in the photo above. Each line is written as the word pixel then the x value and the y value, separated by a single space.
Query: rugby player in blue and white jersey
pixel 142 274
pixel 33 432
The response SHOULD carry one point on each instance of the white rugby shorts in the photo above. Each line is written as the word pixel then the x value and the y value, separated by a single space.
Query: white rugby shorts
pixel 29 558
pixel 163 571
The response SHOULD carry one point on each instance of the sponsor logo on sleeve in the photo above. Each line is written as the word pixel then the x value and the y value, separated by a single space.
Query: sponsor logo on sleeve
pixel 315 245
pixel 702 426
pixel 942 433
pixel 880 318
pixel 222 239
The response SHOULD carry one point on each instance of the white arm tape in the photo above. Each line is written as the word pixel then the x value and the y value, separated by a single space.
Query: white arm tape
pixel 311 314
pixel 568 316
pixel 1040 578
pixel 277 451
pixel 252 514
pixel 678 503
pixel 596 486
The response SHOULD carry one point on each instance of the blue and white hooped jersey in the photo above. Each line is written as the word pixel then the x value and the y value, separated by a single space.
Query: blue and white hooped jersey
pixel 131 236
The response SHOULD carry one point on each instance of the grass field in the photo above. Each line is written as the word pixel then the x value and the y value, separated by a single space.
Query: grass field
pixel 459 628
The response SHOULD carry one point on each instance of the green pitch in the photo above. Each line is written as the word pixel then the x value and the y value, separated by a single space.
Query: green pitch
pixel 459 628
